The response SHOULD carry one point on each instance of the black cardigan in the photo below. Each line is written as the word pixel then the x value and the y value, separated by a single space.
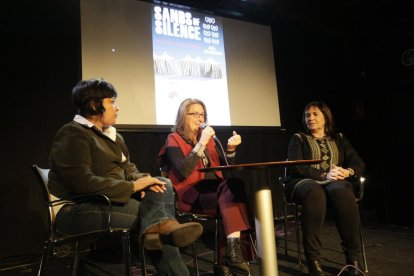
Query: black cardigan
pixel 299 149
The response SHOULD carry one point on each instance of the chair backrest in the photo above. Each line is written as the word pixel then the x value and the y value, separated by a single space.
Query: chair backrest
pixel 164 171
pixel 283 187
pixel 42 176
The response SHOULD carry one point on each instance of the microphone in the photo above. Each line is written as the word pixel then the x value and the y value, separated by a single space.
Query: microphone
pixel 203 126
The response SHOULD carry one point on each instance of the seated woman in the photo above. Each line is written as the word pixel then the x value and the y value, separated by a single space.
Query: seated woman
pixel 190 147
pixel 88 156
pixel 326 184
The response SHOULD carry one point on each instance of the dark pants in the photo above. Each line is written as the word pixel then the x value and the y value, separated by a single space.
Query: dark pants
pixel 134 214
pixel 339 197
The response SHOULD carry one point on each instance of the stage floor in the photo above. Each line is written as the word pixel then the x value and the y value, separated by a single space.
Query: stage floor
pixel 389 249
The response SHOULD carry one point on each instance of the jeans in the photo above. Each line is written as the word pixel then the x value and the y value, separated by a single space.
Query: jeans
pixel 142 214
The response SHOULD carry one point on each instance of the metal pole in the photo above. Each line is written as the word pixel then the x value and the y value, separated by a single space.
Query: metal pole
pixel 265 232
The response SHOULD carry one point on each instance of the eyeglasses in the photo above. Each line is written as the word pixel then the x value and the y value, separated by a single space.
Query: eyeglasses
pixel 196 114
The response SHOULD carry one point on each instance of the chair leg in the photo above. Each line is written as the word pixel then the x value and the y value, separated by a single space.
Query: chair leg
pixel 285 224
pixel 126 252
pixel 75 268
pixel 364 256
pixel 143 260
pixel 43 262
pixel 194 248
pixel 361 238
pixel 254 245
pixel 295 213
pixel 216 236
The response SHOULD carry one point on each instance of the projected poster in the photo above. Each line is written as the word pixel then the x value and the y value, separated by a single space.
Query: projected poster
pixel 189 62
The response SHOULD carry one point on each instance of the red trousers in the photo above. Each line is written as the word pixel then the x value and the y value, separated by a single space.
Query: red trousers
pixel 226 198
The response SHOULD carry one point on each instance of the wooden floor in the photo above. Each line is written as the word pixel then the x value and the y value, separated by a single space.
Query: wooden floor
pixel 390 251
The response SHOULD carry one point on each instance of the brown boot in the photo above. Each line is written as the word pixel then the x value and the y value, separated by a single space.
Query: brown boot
pixel 173 233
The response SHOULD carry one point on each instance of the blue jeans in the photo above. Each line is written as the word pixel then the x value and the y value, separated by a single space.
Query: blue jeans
pixel 142 214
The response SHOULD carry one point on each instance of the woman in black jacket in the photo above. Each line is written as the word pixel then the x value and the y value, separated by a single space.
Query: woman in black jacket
pixel 323 186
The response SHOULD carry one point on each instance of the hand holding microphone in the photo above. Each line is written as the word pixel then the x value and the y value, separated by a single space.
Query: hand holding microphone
pixel 209 132
pixel 206 134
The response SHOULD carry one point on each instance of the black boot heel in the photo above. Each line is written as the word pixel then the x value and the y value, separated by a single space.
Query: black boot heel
pixel 315 268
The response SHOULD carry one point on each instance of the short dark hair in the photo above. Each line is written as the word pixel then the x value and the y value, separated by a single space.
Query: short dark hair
pixel 327 114
pixel 88 95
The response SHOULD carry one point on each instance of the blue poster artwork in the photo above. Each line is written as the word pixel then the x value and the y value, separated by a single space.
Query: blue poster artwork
pixel 189 62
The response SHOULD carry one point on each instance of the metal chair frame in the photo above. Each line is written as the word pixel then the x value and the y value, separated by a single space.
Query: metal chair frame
pixel 199 217
pixel 56 239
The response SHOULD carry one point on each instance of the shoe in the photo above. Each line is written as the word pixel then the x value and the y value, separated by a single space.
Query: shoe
pixel 173 233
pixel 315 268
pixel 222 270
pixel 234 258
pixel 355 268
pixel 353 260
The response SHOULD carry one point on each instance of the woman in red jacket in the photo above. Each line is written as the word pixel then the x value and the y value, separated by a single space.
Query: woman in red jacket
pixel 190 147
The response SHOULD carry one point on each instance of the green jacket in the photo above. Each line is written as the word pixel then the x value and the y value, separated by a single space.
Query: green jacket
pixel 83 160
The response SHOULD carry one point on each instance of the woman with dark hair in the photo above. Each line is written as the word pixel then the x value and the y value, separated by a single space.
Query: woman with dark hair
pixel 326 185
pixel 88 156
pixel 190 147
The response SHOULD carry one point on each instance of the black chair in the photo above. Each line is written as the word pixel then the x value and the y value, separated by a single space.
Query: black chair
pixel 55 238
pixel 200 218
pixel 286 217
pixel 359 189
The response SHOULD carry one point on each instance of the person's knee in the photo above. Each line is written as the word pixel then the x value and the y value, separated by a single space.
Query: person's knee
pixel 313 193
pixel 340 190
pixel 168 183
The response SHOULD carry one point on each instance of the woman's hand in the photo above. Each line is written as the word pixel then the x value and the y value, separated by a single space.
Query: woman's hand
pixel 233 142
pixel 337 173
pixel 206 134
pixel 149 182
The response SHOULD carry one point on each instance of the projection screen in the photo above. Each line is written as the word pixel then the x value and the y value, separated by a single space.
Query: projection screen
pixel 157 55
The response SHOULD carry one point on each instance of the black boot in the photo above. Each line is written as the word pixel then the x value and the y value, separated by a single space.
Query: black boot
pixel 222 270
pixel 353 261
pixel 315 268
pixel 355 268
pixel 234 258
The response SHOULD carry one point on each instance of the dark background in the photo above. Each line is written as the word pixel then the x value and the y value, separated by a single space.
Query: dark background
pixel 346 53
